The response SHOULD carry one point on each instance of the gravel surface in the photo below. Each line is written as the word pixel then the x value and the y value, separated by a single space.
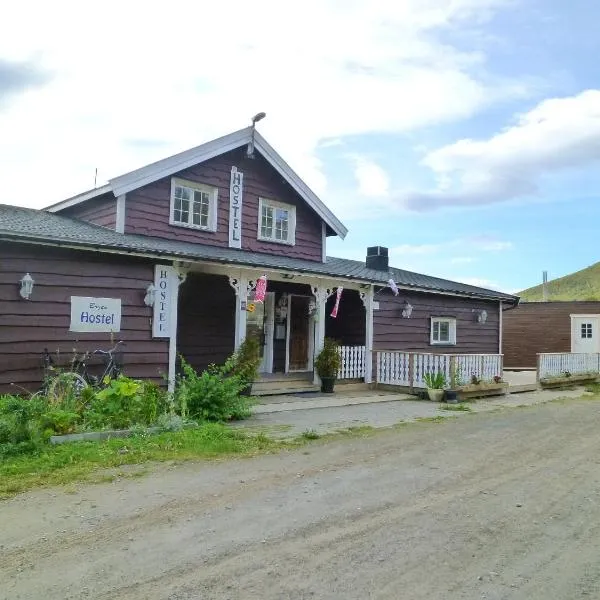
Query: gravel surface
pixel 496 505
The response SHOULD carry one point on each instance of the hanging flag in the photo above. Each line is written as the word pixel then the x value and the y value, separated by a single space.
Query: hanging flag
pixel 261 289
pixel 338 295
pixel 393 287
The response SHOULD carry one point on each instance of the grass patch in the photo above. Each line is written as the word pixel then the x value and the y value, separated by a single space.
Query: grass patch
pixel 457 407
pixel 436 419
pixel 310 434
pixel 81 461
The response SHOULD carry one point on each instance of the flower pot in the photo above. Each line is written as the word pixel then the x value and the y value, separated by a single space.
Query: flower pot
pixel 327 384
pixel 435 395
pixel 451 396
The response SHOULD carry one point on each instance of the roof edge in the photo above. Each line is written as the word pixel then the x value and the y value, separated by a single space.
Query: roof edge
pixel 78 199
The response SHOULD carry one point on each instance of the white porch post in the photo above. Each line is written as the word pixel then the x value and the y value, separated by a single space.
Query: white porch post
pixel 367 299
pixel 321 294
pixel 242 286
pixel 178 278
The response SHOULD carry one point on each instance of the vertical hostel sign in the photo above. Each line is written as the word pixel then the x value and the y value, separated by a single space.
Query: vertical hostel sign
pixel 165 300
pixel 235 208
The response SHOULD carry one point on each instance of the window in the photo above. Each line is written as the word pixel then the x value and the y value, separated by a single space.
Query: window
pixel 443 330
pixel 193 205
pixel 277 222
pixel 586 331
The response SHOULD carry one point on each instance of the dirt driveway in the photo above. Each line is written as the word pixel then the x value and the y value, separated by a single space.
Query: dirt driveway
pixel 499 505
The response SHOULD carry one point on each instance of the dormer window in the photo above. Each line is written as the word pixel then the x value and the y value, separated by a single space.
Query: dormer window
pixel 276 222
pixel 193 205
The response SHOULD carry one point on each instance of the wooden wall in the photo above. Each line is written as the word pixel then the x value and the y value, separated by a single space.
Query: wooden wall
pixel 100 211
pixel 206 322
pixel 392 332
pixel 350 325
pixel 536 327
pixel 147 209
pixel 29 326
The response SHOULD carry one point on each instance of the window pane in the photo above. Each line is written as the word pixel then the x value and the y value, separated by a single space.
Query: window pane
pixel 266 228
pixel 436 331
pixel 444 331
pixel 201 208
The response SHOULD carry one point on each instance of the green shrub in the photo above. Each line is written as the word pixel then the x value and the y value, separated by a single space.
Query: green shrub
pixel 213 395
pixel 329 360
pixel 246 361
pixel 20 426
pixel 60 422
pixel 435 381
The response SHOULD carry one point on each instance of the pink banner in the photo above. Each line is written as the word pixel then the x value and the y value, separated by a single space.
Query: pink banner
pixel 261 289
pixel 338 295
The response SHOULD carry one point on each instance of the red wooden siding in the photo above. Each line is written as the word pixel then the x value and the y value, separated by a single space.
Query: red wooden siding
pixel 206 322
pixel 536 327
pixel 349 326
pixel 100 211
pixel 147 209
pixel 27 327
pixel 392 332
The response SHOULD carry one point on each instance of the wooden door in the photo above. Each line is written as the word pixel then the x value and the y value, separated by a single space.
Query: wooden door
pixel 299 333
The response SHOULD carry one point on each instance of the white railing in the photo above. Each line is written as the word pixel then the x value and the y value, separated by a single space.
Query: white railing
pixel 408 369
pixel 353 362
pixel 556 364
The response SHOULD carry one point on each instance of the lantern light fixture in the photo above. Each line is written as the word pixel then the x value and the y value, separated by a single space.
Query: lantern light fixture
pixel 407 310
pixel 27 282
pixel 150 295
pixel 482 316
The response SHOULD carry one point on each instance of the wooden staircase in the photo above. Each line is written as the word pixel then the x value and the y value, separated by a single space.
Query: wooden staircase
pixel 282 384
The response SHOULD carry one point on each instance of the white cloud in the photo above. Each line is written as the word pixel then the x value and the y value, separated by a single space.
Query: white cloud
pixel 479 282
pixel 556 135
pixel 372 179
pixel 461 260
pixel 479 243
pixel 321 70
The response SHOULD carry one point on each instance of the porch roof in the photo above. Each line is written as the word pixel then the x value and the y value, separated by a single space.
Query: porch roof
pixel 41 227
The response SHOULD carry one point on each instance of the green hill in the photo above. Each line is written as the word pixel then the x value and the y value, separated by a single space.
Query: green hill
pixel 581 285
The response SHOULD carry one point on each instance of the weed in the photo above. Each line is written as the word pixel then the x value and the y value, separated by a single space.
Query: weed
pixel 456 407
pixel 310 434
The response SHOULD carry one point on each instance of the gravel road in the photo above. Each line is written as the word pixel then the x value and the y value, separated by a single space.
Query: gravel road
pixel 502 505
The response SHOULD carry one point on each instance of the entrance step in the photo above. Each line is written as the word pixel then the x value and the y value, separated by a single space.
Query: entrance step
pixel 282 387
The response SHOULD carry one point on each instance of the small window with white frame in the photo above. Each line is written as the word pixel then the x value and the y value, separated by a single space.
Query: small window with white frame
pixel 586 331
pixel 276 222
pixel 193 205
pixel 443 331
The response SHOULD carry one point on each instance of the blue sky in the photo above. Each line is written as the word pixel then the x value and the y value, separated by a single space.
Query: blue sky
pixel 462 134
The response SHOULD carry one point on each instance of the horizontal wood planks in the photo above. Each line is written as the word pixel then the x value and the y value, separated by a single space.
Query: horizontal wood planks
pixel 538 327
pixel 100 211
pixel 349 327
pixel 147 211
pixel 393 332
pixel 27 327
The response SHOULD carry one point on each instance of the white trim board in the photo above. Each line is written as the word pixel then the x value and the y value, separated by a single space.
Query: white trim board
pixel 178 162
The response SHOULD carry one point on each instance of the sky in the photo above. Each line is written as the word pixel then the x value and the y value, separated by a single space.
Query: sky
pixel 464 135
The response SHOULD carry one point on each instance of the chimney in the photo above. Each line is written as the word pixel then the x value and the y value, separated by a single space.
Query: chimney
pixel 377 258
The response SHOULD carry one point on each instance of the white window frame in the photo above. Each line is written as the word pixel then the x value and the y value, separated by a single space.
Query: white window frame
pixel 291 241
pixel 212 208
pixel 451 331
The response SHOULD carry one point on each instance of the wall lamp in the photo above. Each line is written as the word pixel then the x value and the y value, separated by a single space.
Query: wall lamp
pixel 481 316
pixel 407 310
pixel 287 276
pixel 27 283
pixel 150 295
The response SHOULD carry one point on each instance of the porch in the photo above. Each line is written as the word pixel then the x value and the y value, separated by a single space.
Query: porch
pixel 217 310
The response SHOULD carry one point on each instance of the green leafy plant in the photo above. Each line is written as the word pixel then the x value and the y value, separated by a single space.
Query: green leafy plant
pixel 475 380
pixel 60 422
pixel 20 428
pixel 456 377
pixel 435 381
pixel 329 361
pixel 246 361
pixel 213 395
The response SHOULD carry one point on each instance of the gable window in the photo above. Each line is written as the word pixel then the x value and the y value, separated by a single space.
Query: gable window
pixel 443 330
pixel 193 205
pixel 586 331
pixel 276 222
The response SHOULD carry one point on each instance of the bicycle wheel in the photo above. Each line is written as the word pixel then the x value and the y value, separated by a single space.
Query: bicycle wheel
pixel 66 386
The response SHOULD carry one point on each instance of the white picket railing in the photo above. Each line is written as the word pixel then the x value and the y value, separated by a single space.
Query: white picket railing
pixel 556 364
pixel 408 369
pixel 353 362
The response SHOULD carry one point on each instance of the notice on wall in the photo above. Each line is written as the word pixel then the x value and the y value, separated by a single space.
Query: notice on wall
pixel 95 314
pixel 235 208
pixel 165 300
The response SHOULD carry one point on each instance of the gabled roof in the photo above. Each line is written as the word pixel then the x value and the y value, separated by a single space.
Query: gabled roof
pixel 35 226
pixel 173 164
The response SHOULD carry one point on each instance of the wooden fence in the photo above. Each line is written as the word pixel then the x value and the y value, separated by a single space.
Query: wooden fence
pixel 555 364
pixel 353 362
pixel 408 369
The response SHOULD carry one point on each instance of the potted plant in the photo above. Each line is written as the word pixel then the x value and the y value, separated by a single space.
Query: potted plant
pixel 327 364
pixel 435 382
pixel 246 362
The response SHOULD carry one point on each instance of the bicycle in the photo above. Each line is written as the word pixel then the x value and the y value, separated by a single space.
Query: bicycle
pixel 72 383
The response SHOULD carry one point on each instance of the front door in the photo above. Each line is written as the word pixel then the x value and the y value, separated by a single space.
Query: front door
pixel 584 334
pixel 299 333
pixel 259 323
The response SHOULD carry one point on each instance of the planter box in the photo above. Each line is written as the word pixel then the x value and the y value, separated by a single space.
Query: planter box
pixel 481 390
pixel 562 381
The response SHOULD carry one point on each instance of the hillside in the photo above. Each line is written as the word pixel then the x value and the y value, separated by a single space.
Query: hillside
pixel 581 285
